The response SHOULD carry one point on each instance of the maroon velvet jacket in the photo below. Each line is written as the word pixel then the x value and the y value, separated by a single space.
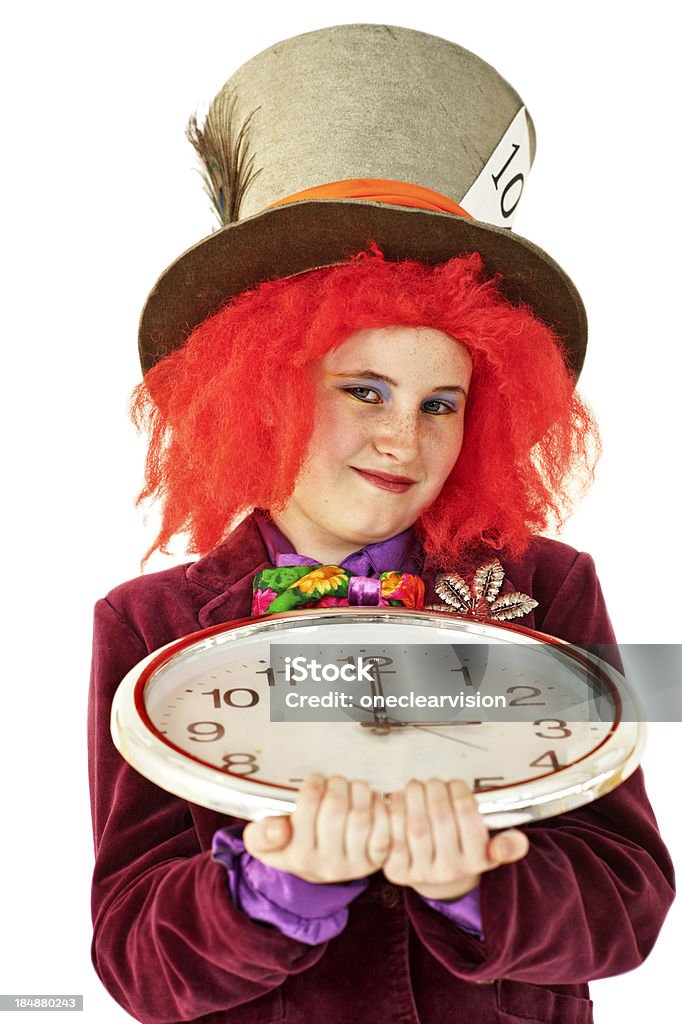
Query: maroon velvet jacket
pixel 586 902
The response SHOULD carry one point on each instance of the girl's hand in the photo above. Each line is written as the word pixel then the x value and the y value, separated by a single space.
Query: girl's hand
pixel 339 831
pixel 439 843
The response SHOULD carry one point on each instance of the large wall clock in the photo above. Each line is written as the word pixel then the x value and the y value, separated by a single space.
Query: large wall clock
pixel 216 717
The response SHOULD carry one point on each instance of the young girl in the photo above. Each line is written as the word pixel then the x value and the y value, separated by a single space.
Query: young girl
pixel 376 414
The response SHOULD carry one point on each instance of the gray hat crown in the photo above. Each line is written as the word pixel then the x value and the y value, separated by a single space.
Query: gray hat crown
pixel 363 101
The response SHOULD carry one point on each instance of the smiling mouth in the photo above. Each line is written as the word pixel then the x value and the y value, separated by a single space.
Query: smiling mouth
pixel 386 481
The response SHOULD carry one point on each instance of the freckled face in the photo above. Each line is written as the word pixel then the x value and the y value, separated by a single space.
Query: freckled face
pixel 389 423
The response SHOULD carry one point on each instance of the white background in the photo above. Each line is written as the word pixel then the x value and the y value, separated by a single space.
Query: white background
pixel 100 194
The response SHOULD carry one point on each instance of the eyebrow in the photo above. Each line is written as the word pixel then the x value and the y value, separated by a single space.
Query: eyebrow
pixel 372 375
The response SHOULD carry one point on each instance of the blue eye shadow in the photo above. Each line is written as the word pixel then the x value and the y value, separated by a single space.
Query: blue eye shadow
pixel 380 386
pixel 453 398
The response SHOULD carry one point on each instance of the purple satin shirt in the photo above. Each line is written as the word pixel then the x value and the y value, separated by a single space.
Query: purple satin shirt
pixel 310 912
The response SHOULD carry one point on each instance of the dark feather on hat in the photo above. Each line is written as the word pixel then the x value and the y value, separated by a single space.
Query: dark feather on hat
pixel 224 152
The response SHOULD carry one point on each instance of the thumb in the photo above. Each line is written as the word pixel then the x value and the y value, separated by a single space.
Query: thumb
pixel 509 846
pixel 267 835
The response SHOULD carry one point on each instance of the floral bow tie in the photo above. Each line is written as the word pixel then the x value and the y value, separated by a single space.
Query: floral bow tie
pixel 322 586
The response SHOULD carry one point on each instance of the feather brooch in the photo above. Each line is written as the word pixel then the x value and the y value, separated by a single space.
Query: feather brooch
pixel 480 600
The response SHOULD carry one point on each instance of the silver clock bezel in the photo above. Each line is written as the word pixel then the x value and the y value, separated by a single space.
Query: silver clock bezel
pixel 179 773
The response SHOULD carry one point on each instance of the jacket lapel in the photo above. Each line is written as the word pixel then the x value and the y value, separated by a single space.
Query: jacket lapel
pixel 225 575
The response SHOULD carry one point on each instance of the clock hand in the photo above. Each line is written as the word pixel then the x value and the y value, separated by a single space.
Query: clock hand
pixel 387 723
pixel 380 725
pixel 455 739
pixel 396 722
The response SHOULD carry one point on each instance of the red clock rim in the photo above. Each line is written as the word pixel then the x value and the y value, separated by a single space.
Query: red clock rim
pixel 187 641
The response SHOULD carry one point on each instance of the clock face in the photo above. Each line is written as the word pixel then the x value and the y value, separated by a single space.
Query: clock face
pixel 235 717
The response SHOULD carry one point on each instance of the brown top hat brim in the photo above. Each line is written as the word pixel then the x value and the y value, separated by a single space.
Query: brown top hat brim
pixel 298 237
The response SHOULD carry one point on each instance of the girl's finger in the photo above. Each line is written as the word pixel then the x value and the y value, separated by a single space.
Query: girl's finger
pixel 444 831
pixel 457 790
pixel 331 823
pixel 507 847
pixel 379 842
pixel 397 865
pixel 267 836
pixel 418 829
pixel 304 818
pixel 358 824
pixel 473 835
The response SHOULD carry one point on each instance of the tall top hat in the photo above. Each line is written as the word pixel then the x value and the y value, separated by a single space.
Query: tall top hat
pixel 353 135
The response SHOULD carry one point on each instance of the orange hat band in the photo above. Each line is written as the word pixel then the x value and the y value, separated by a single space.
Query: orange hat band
pixel 380 190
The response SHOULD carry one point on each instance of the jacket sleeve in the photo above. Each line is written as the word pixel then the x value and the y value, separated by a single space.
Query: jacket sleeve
pixel 591 895
pixel 168 943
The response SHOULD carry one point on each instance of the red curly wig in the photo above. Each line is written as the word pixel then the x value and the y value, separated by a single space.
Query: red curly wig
pixel 227 434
